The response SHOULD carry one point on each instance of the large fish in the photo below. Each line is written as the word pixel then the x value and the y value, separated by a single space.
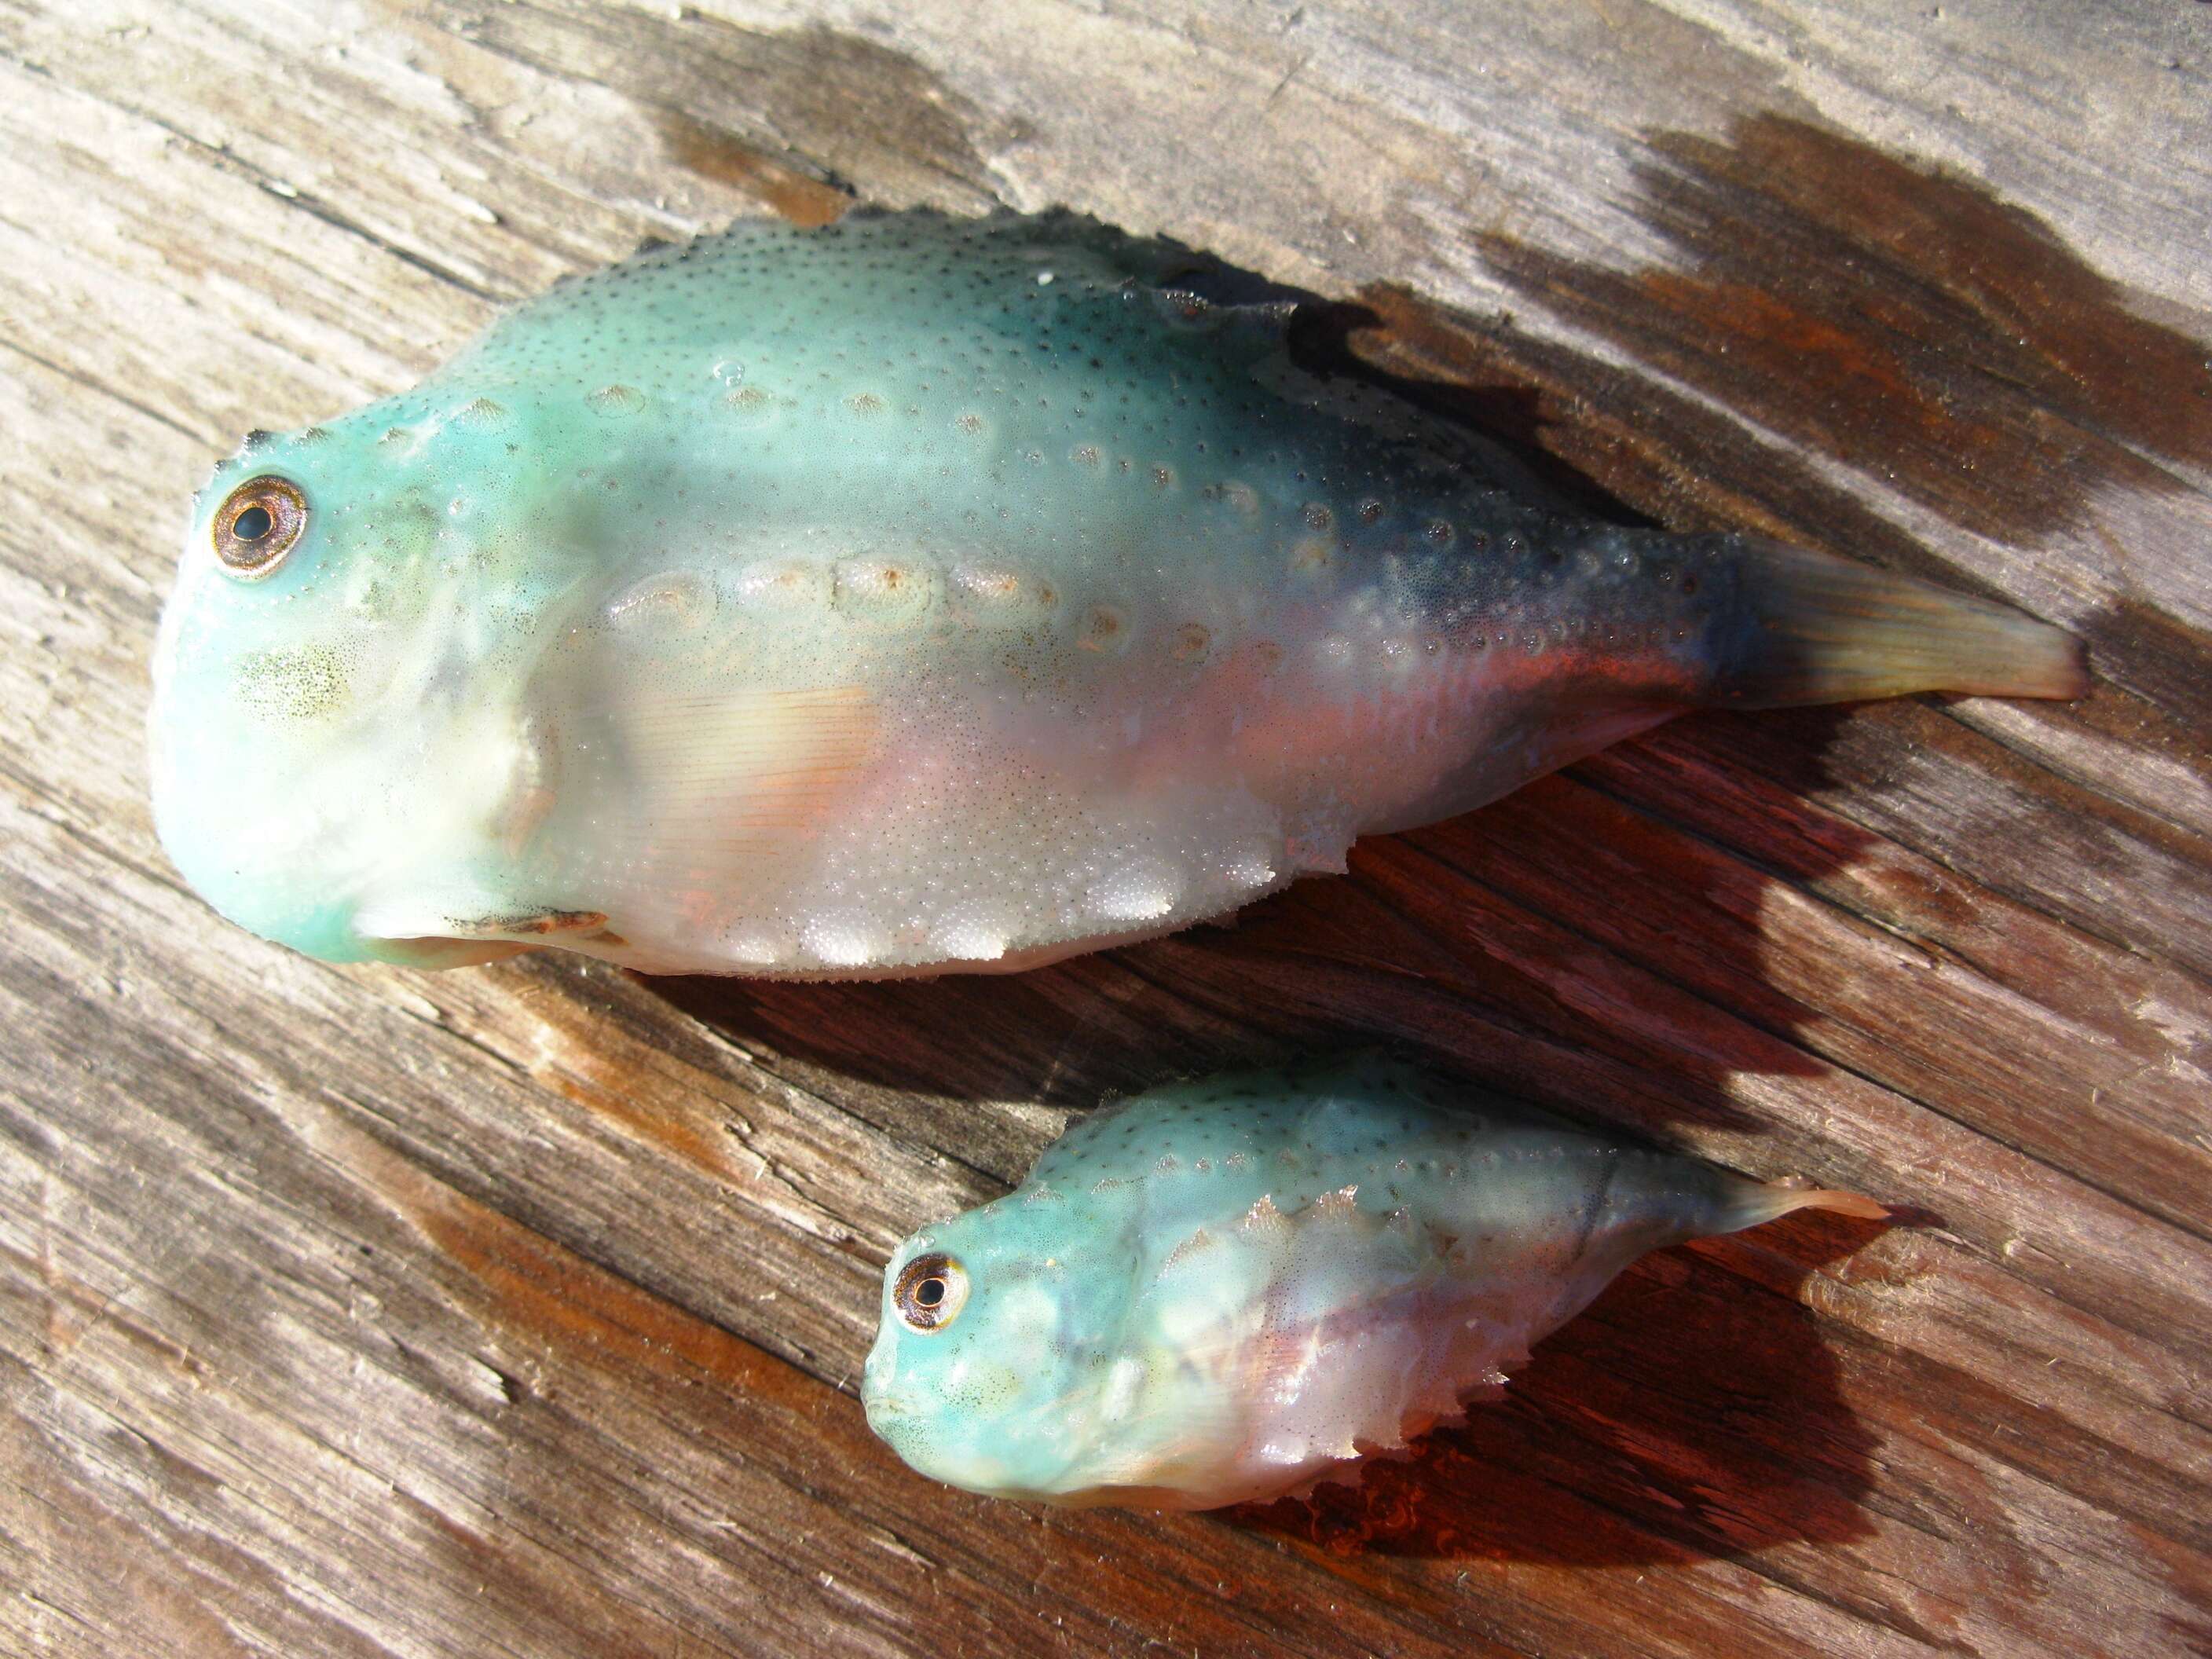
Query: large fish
pixel 1230 1290
pixel 918 594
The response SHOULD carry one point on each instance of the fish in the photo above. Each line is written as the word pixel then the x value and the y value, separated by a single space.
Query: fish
pixel 919 594
pixel 1232 1290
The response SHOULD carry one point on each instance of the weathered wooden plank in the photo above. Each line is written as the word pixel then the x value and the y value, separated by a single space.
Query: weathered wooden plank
pixel 358 1311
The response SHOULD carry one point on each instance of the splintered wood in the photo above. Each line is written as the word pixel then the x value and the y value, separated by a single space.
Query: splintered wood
pixel 518 1310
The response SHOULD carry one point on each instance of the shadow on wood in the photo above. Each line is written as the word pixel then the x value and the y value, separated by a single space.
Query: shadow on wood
pixel 1614 1447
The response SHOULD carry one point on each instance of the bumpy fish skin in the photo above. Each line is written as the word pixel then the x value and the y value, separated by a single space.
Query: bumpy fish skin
pixel 918 592
pixel 1226 1291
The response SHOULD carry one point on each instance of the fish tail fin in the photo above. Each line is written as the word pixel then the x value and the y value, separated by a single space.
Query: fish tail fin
pixel 1798 627
pixel 1753 1203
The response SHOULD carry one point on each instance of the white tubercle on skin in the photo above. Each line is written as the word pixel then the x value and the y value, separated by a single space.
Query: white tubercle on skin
pixel 755 946
pixel 1142 890
pixel 1250 866
pixel 842 940
pixel 972 938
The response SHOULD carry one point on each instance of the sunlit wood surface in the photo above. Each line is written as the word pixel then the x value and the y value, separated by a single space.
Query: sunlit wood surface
pixel 518 1310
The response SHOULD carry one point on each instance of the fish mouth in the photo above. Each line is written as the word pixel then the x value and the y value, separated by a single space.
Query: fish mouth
pixel 884 1411
pixel 888 1414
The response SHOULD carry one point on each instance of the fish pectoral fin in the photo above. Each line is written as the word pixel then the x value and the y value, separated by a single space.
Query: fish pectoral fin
pixel 1284 1357
pixel 761 767
pixel 1161 1446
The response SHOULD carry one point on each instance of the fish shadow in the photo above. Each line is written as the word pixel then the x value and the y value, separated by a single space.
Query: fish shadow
pixel 1611 1448
pixel 1592 943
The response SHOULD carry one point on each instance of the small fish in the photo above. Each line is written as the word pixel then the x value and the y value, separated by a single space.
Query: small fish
pixel 1227 1291
pixel 916 593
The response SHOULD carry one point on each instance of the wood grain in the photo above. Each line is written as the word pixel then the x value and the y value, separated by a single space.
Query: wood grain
pixel 516 1312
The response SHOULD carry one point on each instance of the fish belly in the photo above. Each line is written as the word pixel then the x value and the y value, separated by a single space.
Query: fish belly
pixel 920 760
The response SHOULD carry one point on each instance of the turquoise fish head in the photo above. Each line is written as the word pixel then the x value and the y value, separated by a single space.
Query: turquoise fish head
pixel 1003 1360
pixel 338 729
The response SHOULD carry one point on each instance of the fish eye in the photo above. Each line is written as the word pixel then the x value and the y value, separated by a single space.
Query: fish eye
pixel 931 1290
pixel 258 524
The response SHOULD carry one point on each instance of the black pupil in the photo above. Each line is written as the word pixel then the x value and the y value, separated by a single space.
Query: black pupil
pixel 252 524
pixel 929 1292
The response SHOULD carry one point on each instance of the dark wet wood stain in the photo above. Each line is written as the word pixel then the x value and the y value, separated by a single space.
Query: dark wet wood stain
pixel 744 105
pixel 792 194
pixel 1897 318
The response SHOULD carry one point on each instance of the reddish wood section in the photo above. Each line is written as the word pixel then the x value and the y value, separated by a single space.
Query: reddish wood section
pixel 517 1310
